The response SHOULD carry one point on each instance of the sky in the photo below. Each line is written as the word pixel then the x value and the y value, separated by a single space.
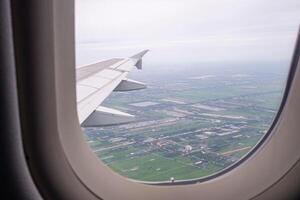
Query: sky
pixel 187 31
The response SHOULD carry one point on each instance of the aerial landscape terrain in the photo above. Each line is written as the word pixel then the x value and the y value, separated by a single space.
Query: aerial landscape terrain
pixel 189 123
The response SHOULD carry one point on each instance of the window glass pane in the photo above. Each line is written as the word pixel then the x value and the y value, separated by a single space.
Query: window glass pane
pixel 215 77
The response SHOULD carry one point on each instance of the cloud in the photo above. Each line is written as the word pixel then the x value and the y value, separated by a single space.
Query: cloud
pixel 181 31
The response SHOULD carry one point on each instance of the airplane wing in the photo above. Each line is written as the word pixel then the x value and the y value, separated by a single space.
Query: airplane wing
pixel 96 81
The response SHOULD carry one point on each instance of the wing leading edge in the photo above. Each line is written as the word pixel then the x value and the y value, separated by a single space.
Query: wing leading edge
pixel 94 84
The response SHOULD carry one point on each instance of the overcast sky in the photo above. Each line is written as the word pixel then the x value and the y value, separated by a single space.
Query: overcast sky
pixel 180 31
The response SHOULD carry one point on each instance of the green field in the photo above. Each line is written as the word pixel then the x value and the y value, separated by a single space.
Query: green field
pixel 154 167
pixel 153 149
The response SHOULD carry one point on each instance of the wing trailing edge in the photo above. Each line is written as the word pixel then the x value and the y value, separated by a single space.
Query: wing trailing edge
pixel 104 116
pixel 129 85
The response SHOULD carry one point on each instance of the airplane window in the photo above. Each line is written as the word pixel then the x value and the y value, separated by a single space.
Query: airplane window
pixel 209 89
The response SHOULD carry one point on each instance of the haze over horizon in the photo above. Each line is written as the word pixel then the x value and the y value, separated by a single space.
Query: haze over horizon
pixel 187 31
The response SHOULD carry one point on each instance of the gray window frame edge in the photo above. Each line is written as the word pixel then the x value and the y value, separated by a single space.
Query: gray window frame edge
pixel 59 159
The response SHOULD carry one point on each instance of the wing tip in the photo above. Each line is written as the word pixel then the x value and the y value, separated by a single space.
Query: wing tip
pixel 140 54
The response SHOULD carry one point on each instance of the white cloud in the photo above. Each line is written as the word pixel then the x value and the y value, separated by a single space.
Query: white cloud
pixel 189 30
